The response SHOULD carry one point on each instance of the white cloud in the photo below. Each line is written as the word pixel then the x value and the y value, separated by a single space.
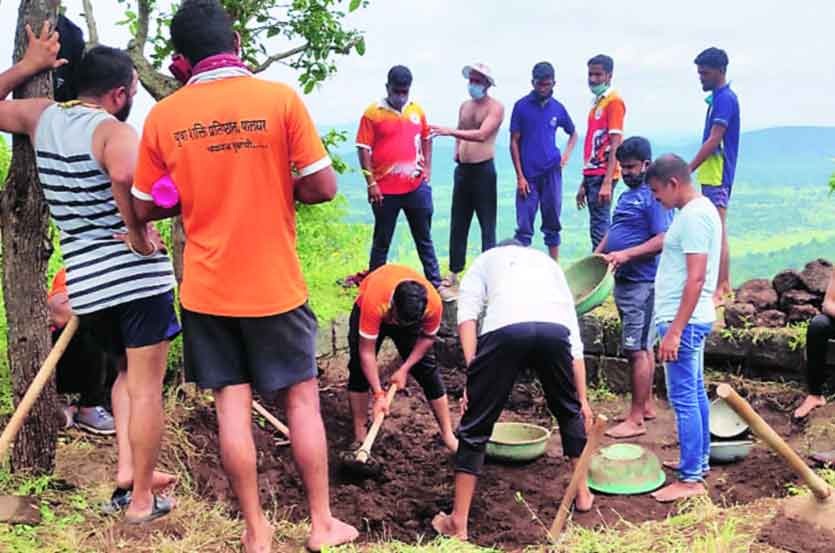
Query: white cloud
pixel 779 55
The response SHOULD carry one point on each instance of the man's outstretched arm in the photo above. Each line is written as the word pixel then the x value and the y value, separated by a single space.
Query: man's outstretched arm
pixel 21 116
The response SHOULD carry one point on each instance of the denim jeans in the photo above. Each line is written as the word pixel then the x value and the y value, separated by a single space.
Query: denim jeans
pixel 600 214
pixel 417 205
pixel 688 397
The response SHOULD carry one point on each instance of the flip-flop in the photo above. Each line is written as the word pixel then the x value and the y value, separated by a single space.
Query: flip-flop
pixel 161 507
pixel 119 500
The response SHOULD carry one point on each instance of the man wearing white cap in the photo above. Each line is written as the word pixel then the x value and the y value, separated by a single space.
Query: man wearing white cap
pixel 474 191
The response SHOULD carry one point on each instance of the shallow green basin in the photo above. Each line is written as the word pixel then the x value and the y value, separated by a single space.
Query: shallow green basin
pixel 591 281
pixel 625 469
pixel 517 441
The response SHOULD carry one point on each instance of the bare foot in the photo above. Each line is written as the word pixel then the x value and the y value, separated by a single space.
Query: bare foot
pixel 583 502
pixel 260 541
pixel 679 490
pixel 444 525
pixel 627 429
pixel 649 410
pixel 159 482
pixel 335 532
pixel 809 404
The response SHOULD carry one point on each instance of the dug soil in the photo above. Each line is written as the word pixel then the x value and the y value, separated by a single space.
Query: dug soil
pixel 513 503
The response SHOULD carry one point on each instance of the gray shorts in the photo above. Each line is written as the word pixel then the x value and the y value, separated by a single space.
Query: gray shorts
pixel 635 306
pixel 270 353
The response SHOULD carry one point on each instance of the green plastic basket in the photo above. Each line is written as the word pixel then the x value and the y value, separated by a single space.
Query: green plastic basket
pixel 591 281
pixel 625 469
pixel 517 441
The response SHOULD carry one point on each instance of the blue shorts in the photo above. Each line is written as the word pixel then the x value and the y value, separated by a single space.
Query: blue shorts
pixel 271 353
pixel 135 324
pixel 720 196
pixel 635 303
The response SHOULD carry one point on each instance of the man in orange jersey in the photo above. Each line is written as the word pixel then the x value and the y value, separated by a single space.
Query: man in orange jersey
pixel 244 301
pixel 397 302
pixel 395 153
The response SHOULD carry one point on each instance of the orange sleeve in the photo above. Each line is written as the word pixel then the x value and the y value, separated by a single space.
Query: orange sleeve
pixel 434 312
pixel 307 153
pixel 365 134
pixel 615 114
pixel 59 283
pixel 424 126
pixel 149 165
pixel 370 316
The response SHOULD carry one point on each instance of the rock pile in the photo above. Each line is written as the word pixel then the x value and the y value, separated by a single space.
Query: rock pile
pixel 790 297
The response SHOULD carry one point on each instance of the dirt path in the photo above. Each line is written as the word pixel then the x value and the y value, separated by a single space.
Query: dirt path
pixel 416 481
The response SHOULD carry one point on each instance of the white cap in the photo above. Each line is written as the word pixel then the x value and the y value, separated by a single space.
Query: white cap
pixel 479 68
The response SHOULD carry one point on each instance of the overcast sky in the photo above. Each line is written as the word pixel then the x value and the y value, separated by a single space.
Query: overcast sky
pixel 781 56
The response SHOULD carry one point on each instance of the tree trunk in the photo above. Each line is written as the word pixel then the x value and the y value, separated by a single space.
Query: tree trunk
pixel 26 251
pixel 178 243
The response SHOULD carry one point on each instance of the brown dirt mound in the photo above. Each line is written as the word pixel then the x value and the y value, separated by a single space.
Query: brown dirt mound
pixel 795 536
pixel 417 477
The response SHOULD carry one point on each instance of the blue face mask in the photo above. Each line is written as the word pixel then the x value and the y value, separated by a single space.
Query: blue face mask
pixel 477 91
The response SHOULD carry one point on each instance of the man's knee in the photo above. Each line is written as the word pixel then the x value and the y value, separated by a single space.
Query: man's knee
pixel 820 327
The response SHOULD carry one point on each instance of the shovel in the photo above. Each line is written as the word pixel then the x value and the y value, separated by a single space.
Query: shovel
pixel 360 462
pixel 277 424
pixel 817 509
pixel 15 509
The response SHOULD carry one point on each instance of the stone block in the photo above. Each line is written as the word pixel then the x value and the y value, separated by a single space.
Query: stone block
pixel 616 373
pixel 740 315
pixel 771 318
pixel 772 352
pixel 591 332
pixel 816 275
pixel 340 333
pixel 787 280
pixel 592 369
pixel 722 344
pixel 802 313
pixel 759 293
pixel 798 297
pixel 612 337
pixel 448 352
pixel 324 339
pixel 449 320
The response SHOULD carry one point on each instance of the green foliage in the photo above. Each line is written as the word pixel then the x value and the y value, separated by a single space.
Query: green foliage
pixel 329 248
pixel 315 29
pixel 5 160
pixel 832 183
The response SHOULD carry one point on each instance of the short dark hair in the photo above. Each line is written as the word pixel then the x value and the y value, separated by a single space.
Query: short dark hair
pixel 715 58
pixel 409 301
pixel 603 60
pixel 542 70
pixel 668 166
pixel 634 148
pixel 102 69
pixel 202 28
pixel 399 75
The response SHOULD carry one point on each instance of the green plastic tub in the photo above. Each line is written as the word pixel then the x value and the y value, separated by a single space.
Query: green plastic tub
pixel 591 281
pixel 517 441
pixel 625 469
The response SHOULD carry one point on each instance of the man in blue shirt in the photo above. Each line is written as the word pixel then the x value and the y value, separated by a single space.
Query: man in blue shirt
pixel 716 159
pixel 632 246
pixel 537 160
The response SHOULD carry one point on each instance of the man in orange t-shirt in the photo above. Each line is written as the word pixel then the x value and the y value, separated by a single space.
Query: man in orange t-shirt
pixel 395 153
pixel 603 136
pixel 230 143
pixel 397 302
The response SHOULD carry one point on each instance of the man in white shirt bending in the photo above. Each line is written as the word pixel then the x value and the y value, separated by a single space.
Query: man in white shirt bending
pixel 530 321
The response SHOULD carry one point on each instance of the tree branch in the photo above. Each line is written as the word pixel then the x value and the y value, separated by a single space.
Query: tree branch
pixel 157 84
pixel 92 28
pixel 280 56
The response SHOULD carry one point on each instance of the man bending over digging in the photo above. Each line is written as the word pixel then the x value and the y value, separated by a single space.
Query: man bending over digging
pixel 530 322
pixel 119 280
pixel 229 142
pixel 397 302
pixel 684 313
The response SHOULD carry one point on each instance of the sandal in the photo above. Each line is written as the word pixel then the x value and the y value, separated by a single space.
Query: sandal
pixel 119 500
pixel 161 507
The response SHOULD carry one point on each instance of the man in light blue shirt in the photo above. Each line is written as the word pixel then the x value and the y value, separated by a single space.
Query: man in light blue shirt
pixel 684 314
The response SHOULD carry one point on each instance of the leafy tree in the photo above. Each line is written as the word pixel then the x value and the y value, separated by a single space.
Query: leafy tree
pixel 5 160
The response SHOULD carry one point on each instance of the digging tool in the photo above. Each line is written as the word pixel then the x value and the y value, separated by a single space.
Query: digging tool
pixel 360 462
pixel 277 424
pixel 25 510
pixel 36 387
pixel 581 471
pixel 817 509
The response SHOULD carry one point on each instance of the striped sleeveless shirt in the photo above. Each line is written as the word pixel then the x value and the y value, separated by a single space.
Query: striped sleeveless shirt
pixel 101 271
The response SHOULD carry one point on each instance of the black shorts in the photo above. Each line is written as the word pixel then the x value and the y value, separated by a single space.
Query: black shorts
pixel 135 324
pixel 271 353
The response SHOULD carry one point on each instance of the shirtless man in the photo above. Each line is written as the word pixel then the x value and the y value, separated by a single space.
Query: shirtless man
pixel 479 120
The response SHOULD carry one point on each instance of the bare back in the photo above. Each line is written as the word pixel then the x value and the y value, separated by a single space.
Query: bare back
pixel 471 116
